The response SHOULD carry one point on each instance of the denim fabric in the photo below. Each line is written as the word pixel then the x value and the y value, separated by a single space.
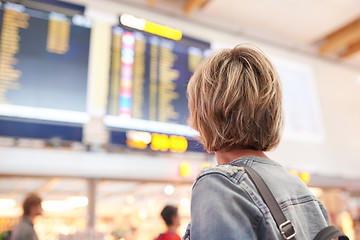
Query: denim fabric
pixel 225 204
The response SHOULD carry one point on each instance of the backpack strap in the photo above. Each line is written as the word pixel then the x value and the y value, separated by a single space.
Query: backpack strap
pixel 285 226
pixel 330 232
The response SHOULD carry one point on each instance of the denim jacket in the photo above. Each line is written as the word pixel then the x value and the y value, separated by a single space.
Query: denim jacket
pixel 225 204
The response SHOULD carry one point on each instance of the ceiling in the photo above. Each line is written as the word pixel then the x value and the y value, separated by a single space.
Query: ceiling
pixel 301 25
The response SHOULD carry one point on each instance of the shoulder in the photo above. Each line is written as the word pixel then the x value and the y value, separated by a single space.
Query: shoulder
pixel 223 182
pixel 220 177
pixel 222 196
pixel 23 229
pixel 228 183
pixel 227 171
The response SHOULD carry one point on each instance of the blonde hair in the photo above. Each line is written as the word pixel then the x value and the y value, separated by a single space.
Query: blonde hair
pixel 235 101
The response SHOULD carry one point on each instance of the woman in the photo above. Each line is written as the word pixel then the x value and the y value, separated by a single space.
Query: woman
pixel 235 104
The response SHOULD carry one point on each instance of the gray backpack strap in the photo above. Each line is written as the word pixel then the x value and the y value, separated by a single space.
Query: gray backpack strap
pixel 330 232
pixel 285 226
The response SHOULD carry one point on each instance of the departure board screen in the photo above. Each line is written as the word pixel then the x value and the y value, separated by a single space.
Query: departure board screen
pixel 149 76
pixel 43 62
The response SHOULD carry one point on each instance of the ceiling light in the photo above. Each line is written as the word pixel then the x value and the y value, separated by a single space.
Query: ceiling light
pixel 130 199
pixel 169 189
pixel 152 202
pixel 133 22
pixel 163 31
pixel 139 136
pixel 142 214
pixel 78 201
pixel 7 203
pixel 56 206
pixel 205 165
pixel 294 172
pixel 316 191
pixel 305 176
pixel 151 27
pixel 185 202
pixel 13 212
pixel 185 169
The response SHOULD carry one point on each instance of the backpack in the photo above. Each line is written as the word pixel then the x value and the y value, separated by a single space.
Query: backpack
pixel 5 235
pixel 285 226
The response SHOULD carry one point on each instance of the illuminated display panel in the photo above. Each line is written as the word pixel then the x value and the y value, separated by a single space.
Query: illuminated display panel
pixel 148 80
pixel 43 64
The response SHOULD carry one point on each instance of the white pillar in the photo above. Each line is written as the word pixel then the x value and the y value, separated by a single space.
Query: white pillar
pixel 91 213
pixel 99 62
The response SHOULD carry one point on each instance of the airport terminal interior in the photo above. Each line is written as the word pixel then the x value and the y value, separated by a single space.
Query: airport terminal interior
pixel 93 107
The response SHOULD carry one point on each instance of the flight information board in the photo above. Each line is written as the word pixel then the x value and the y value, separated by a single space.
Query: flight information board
pixel 43 62
pixel 149 76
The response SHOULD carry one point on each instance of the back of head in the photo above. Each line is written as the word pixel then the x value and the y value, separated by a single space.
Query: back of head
pixel 168 213
pixel 32 199
pixel 235 101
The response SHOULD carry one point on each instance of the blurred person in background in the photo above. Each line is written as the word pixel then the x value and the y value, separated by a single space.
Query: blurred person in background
pixel 235 104
pixel 25 229
pixel 172 220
